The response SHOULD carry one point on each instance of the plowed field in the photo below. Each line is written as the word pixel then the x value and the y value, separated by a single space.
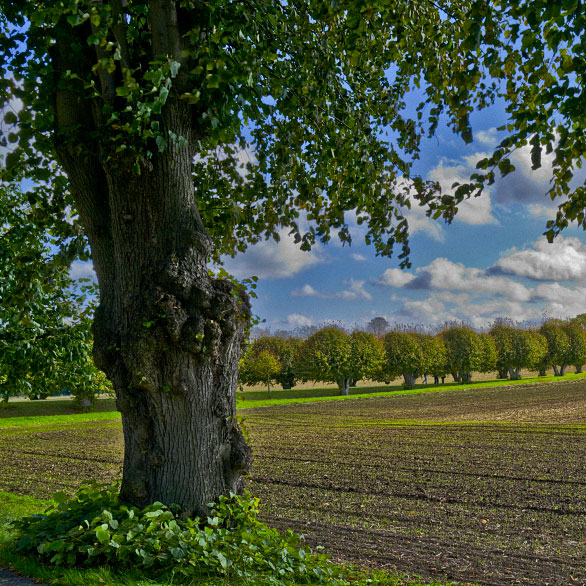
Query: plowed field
pixel 483 485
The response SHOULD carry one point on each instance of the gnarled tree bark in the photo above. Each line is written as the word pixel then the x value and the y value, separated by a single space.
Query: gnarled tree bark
pixel 167 335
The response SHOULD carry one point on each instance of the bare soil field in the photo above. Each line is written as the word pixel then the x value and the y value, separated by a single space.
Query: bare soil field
pixel 480 486
pixel 484 485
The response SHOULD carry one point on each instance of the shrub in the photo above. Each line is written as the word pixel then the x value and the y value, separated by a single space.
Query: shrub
pixel 96 529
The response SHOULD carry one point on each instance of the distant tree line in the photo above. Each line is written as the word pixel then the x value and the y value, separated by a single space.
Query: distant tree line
pixel 330 354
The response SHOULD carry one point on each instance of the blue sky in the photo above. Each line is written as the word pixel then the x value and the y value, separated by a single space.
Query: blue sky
pixel 492 261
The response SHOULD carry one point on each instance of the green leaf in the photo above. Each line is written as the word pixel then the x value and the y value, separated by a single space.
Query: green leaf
pixel 10 118
pixel 102 535
pixel 60 497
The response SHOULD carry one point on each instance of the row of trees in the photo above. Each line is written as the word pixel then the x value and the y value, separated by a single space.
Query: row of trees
pixel 332 355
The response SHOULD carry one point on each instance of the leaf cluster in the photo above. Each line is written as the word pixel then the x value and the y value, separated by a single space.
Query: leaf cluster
pixel 94 529
pixel 45 316
pixel 299 113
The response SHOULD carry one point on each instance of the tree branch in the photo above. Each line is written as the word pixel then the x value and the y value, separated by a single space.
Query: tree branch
pixel 166 41
pixel 119 29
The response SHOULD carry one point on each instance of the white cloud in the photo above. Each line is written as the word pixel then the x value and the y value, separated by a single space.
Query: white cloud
pixel 394 278
pixel 542 211
pixel 487 137
pixel 431 310
pixel 274 260
pixel 416 214
pixel 419 222
pixel 297 320
pixel 306 291
pixel 562 302
pixel 82 270
pixel 358 257
pixel 562 260
pixel 356 290
pixel 443 274
pixel 439 308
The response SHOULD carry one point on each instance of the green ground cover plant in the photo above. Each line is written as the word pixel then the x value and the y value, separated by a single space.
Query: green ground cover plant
pixel 95 529
pixel 47 530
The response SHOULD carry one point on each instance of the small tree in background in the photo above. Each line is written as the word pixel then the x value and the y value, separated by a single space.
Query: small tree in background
pixel 284 349
pixel 517 348
pixel 488 358
pixel 327 356
pixel 535 348
pixel 368 356
pixel 263 366
pixel 558 345
pixel 403 354
pixel 378 326
pixel 577 337
pixel 502 333
pixel 433 355
pixel 464 352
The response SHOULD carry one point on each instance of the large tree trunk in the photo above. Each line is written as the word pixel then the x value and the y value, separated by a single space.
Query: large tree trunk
pixel 515 373
pixel 410 378
pixel 166 334
pixel 344 386
pixel 169 338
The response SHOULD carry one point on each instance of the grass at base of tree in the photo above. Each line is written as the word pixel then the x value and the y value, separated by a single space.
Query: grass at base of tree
pixel 15 506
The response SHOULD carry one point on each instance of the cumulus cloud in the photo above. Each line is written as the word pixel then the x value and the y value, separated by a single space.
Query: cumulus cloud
pixel 431 310
pixel 561 301
pixel 543 211
pixel 354 291
pixel 439 308
pixel 274 260
pixel 358 257
pixel 443 274
pixel 562 260
pixel 487 137
pixel 529 186
pixel 82 270
pixel 395 278
pixel 306 291
pixel 525 186
pixel 471 211
pixel 297 320
pixel 420 223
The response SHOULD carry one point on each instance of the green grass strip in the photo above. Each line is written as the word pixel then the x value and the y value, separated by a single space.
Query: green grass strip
pixel 74 419
pixel 420 389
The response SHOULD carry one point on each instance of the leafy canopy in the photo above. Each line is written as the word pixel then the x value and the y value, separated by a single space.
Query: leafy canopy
pixel 301 112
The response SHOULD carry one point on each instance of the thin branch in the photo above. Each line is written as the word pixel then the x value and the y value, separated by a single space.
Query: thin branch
pixel 119 29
